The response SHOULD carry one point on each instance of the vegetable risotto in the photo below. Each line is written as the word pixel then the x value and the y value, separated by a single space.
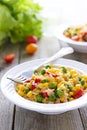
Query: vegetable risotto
pixel 53 84
pixel 77 33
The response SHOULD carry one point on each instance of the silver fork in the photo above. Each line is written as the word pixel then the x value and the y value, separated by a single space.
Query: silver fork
pixel 25 75
pixel 22 78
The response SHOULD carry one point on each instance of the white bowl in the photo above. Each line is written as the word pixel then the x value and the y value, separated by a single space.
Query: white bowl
pixel 77 46
pixel 8 89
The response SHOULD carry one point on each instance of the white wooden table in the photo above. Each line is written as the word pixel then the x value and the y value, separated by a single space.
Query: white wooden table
pixel 13 117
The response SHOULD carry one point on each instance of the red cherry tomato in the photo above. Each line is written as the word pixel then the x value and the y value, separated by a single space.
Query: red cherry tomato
pixel 8 58
pixel 84 36
pixel 78 93
pixel 31 39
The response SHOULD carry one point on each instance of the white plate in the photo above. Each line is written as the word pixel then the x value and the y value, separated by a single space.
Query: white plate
pixel 8 89
pixel 77 46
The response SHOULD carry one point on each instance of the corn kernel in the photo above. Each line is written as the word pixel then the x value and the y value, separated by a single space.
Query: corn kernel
pixel 46 84
pixel 62 99
pixel 29 94
pixel 78 87
pixel 66 34
pixel 85 85
pixel 60 84
pixel 20 93
pixel 50 65
pixel 85 77
pixel 71 93
pixel 71 99
pixel 33 76
pixel 74 80
pixel 20 87
pixel 72 72
pixel 74 89
pixel 52 79
pixel 41 85
pixel 37 91
pixel 27 85
pixel 52 70
pixel 63 88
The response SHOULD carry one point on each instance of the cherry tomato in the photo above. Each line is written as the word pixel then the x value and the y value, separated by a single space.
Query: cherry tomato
pixel 84 36
pixel 31 39
pixel 8 58
pixel 31 48
pixel 78 93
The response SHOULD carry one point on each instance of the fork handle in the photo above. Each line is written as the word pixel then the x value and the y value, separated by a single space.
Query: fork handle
pixel 15 80
pixel 64 51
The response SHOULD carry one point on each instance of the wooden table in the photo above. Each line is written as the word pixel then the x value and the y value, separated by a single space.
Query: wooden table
pixel 13 117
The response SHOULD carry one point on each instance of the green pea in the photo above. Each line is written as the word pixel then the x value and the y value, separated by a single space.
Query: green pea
pixel 68 86
pixel 53 85
pixel 48 67
pixel 59 93
pixel 44 81
pixel 43 71
pixel 35 72
pixel 64 69
pixel 27 90
pixel 79 78
pixel 52 98
pixel 82 82
pixel 39 98
pixel 74 34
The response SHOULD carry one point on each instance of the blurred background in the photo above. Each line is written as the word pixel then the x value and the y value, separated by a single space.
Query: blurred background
pixel 63 11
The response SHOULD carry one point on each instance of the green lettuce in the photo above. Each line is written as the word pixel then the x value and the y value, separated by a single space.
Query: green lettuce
pixel 19 19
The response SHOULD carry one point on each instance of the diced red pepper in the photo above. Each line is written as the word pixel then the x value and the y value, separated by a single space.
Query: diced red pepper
pixel 44 94
pixel 48 73
pixel 54 75
pixel 37 80
pixel 33 86
pixel 78 93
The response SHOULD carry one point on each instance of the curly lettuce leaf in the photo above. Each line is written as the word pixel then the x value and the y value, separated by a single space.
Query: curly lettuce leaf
pixel 7 22
pixel 21 19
